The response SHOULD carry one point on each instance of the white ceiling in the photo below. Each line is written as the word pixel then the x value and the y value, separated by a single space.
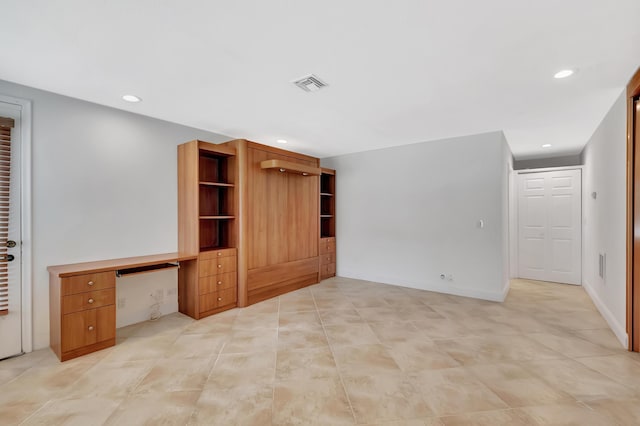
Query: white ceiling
pixel 398 72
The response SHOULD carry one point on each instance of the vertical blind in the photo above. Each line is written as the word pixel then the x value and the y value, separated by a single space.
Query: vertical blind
pixel 6 124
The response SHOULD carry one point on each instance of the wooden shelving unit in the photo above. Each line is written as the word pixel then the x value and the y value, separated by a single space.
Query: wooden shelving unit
pixel 327 223
pixel 207 208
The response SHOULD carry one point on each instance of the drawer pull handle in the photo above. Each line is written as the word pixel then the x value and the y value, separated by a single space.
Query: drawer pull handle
pixel 90 328
pixel 219 299
pixel 219 266
pixel 90 300
pixel 90 283
pixel 219 282
pixel 219 253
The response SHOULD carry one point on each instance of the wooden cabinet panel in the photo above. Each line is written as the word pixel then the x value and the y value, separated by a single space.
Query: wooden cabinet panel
pixel 88 282
pixel 88 300
pixel 274 274
pixel 85 328
pixel 256 214
pixel 227 297
pixel 278 214
pixel 217 282
pixel 302 212
pixel 217 266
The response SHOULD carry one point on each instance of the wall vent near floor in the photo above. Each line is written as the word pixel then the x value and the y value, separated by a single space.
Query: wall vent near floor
pixel 602 265
pixel 310 83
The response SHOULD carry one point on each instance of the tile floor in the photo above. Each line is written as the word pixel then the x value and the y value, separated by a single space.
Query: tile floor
pixel 346 352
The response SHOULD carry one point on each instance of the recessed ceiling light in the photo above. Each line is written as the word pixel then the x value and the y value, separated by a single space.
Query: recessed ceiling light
pixel 546 145
pixel 564 74
pixel 131 98
pixel 281 141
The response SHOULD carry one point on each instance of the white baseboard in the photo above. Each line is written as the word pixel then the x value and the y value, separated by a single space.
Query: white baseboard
pixel 447 288
pixel 618 330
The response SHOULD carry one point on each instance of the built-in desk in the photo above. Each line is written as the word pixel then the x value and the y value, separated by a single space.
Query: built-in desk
pixel 82 296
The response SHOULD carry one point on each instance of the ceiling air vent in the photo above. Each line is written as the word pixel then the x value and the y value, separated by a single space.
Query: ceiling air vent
pixel 310 83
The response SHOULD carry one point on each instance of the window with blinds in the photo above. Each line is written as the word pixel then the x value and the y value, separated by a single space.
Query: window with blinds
pixel 6 124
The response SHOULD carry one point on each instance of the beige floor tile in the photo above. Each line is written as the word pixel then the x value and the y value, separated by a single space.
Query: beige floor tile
pixel 311 402
pixel 570 414
pixel 243 341
pixel 397 332
pixel 300 338
pixel 74 412
pixel 579 381
pixel 110 379
pixel 624 369
pixel 303 320
pixel 317 363
pixel 364 359
pixel 168 325
pixel 569 345
pixel 385 397
pixel 233 370
pixel 350 334
pixel 333 303
pixel 455 391
pixel 603 337
pixel 429 421
pixel 511 417
pixel 341 316
pixel 248 405
pixel 624 412
pixel 491 349
pixel 173 375
pixel 163 408
pixel 442 329
pixel 517 386
pixel 255 321
pixel 141 348
pixel 297 305
pixel 196 346
pixel 415 356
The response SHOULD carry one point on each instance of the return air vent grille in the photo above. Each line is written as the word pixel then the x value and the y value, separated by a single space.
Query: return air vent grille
pixel 310 83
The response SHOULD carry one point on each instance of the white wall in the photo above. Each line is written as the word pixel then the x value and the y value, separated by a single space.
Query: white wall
pixel 604 218
pixel 407 214
pixel 104 186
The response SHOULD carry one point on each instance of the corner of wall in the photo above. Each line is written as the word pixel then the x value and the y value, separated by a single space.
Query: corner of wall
pixel 619 330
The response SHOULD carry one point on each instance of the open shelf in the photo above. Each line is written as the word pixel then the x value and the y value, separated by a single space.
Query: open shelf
pixel 327 204
pixel 225 185
pixel 216 234
pixel 289 167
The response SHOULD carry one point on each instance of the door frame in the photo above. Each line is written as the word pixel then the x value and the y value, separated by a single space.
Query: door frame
pixel 633 286
pixel 25 218
pixel 516 221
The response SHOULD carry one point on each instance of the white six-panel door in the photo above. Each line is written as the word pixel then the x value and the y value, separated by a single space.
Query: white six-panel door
pixel 550 226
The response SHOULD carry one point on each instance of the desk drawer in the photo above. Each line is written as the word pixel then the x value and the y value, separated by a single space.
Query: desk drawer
pixel 217 266
pixel 88 300
pixel 214 254
pixel 217 282
pixel 327 258
pixel 89 282
pixel 218 299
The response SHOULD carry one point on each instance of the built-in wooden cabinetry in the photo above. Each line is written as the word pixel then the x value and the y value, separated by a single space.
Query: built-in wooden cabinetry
pixel 207 226
pixel 257 208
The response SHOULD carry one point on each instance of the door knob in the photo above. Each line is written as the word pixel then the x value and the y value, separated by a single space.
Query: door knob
pixel 11 243
pixel 7 257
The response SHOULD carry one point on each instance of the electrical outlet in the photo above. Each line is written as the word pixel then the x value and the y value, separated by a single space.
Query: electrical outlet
pixel 122 302
pixel 442 276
